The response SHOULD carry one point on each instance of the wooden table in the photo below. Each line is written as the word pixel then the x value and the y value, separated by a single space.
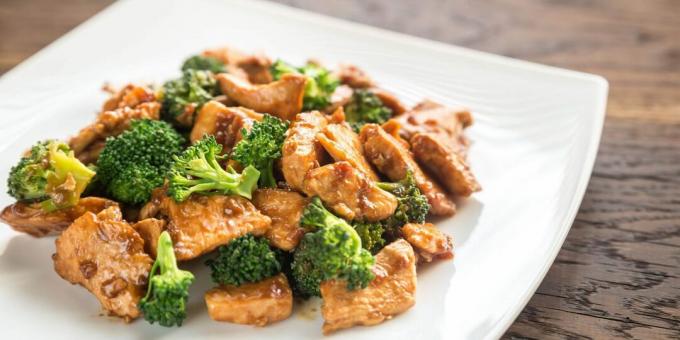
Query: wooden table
pixel 618 274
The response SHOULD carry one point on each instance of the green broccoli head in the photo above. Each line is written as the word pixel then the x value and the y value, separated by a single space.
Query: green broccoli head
pixel 412 204
pixel 261 146
pixel 334 251
pixel 365 107
pixel 371 234
pixel 166 298
pixel 245 259
pixel 321 83
pixel 203 63
pixel 50 174
pixel 197 170
pixel 136 161
pixel 187 95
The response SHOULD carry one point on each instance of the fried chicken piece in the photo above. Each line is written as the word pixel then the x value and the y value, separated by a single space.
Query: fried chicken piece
pixel 349 193
pixel 255 67
pixel 225 123
pixel 105 255
pixel 390 100
pixel 394 160
pixel 445 123
pixel 391 292
pixel 429 242
pixel 129 96
pixel 353 76
pixel 285 208
pixel 301 150
pixel 203 223
pixel 89 142
pixel 258 303
pixel 448 166
pixel 150 230
pixel 31 219
pixel 342 144
pixel 281 98
pixel 340 97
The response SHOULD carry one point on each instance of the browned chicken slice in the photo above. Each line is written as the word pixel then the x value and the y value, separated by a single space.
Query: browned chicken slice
pixel 285 208
pixel 390 100
pixel 340 97
pixel 89 142
pixel 258 303
pixel 444 122
pixel 105 254
pixel 203 223
pixel 255 67
pixel 33 220
pixel 301 151
pixel 429 242
pixel 225 123
pixel 393 291
pixel 150 230
pixel 129 96
pixel 349 193
pixel 391 158
pixel 353 76
pixel 448 166
pixel 342 144
pixel 281 98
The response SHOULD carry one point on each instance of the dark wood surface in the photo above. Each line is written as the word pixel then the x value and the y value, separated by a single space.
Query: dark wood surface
pixel 618 273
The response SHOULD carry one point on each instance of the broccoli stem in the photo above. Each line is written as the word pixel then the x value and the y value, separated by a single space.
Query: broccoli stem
pixel 267 179
pixel 165 258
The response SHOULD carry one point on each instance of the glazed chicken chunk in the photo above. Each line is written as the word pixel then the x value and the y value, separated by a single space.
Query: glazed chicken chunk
pixel 390 293
pixel 445 123
pixel 253 67
pixel 150 230
pixel 349 193
pixel 203 223
pixel 89 142
pixel 281 98
pixel 225 123
pixel 31 219
pixel 105 254
pixel 301 150
pixel 258 303
pixel 353 76
pixel 394 160
pixel 342 144
pixel 129 96
pixel 429 242
pixel 285 209
pixel 448 166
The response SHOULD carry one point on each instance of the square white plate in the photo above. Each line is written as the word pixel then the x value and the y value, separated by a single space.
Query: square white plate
pixel 535 139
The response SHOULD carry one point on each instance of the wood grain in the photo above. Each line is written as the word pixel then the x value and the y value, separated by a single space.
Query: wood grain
pixel 618 273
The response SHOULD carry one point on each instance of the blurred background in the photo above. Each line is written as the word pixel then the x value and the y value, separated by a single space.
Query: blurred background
pixel 618 273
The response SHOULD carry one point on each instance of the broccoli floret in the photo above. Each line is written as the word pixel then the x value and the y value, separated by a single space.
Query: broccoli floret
pixel 334 251
pixel 49 174
pixel 261 146
pixel 412 204
pixel 203 63
pixel 187 95
pixel 166 298
pixel 319 87
pixel 136 161
pixel 197 170
pixel 245 259
pixel 365 107
pixel 371 234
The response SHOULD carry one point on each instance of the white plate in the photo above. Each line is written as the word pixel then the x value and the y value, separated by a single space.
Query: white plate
pixel 536 135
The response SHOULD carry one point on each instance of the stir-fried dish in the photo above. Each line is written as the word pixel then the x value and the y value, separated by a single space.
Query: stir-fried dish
pixel 290 181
